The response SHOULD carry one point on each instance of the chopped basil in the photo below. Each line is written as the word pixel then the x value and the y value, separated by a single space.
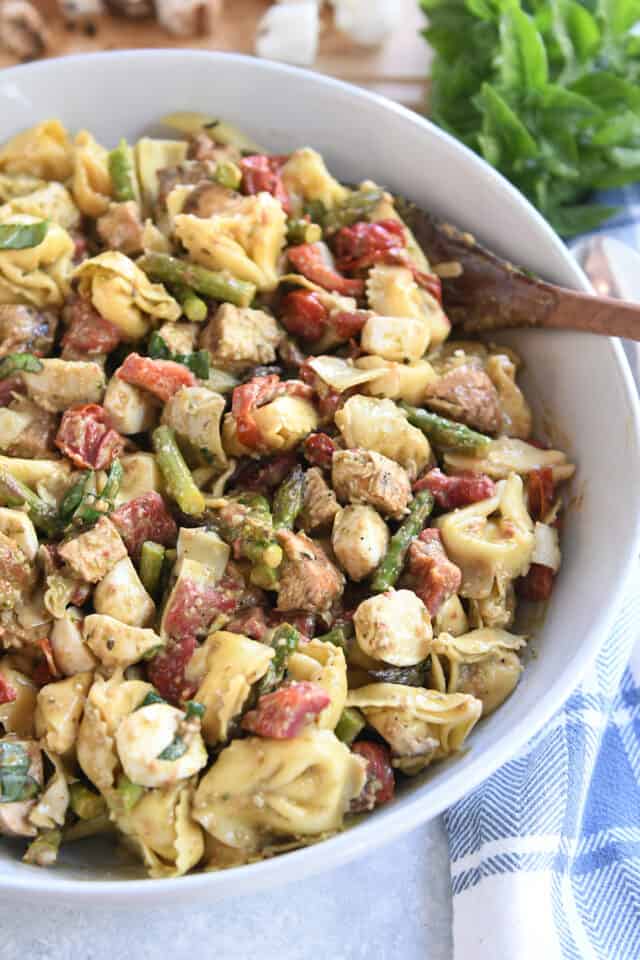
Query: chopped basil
pixel 21 236
pixel 198 361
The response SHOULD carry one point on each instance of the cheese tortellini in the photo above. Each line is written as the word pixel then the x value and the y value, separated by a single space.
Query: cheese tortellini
pixel 260 790
pixel 393 292
pixel 247 243
pixel 122 293
pixel 381 426
pixel 44 151
pixel 242 595
pixel 419 725
pixel 225 667
pixel 491 540
pixel 40 275
pixel 161 828
pixel 322 663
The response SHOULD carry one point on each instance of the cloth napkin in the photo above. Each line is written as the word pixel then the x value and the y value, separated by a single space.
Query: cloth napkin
pixel 545 854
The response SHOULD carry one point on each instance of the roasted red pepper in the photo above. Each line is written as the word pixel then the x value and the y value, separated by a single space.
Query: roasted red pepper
pixel 163 378
pixel 261 172
pixel 380 783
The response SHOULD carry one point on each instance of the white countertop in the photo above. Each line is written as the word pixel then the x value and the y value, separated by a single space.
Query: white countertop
pixel 392 904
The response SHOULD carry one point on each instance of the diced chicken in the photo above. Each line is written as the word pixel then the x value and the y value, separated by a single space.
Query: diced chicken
pixel 92 554
pixel 14 817
pixel 430 573
pixel 239 337
pixel 364 476
pixel 121 228
pixel 64 383
pixel 35 440
pixel 466 394
pixel 309 581
pixel 26 329
pixel 179 337
pixel 320 503
pixel 16 573
pixel 360 539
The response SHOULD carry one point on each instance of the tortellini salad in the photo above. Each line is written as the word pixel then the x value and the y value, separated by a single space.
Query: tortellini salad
pixel 264 523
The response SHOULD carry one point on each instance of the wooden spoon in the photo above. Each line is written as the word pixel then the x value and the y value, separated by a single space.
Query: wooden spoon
pixel 492 294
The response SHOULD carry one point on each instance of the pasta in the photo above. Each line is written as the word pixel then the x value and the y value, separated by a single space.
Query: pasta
pixel 265 528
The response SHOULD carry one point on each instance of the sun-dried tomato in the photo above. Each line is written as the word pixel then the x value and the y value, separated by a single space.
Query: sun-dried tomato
pixel 86 437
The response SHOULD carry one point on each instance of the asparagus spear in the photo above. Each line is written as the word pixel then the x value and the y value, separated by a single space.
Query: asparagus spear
pixel 389 570
pixel 284 641
pixel 85 803
pixel 43 851
pixel 121 172
pixel 303 231
pixel 194 307
pixel 250 527
pixel 176 473
pixel 359 205
pixel 211 283
pixel 14 493
pixel 288 500
pixel 339 636
pixel 446 434
pixel 349 725
pixel 151 560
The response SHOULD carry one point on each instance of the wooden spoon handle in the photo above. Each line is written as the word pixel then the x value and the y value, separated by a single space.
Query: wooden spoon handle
pixel 581 311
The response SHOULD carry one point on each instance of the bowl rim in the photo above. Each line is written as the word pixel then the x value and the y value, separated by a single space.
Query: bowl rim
pixel 370 833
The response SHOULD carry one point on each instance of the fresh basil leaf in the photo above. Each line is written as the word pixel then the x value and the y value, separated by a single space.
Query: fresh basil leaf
pixel 617 131
pixel 195 709
pixel 504 125
pixel 158 349
pixel 523 56
pixel 14 362
pixel 618 16
pixel 608 91
pixel 21 236
pixel 580 218
pixel 176 749
pixel 197 362
pixel 610 179
pixel 583 29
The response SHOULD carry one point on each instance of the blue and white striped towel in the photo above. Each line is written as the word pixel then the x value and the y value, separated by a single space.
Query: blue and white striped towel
pixel 545 855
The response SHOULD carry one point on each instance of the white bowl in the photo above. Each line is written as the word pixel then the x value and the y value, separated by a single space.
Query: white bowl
pixel 583 381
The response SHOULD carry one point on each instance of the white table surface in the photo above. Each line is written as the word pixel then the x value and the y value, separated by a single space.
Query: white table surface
pixel 392 904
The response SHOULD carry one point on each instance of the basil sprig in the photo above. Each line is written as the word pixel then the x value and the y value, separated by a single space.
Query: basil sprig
pixel 21 236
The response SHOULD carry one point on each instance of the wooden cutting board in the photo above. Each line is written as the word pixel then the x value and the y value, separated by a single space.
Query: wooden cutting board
pixel 397 68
